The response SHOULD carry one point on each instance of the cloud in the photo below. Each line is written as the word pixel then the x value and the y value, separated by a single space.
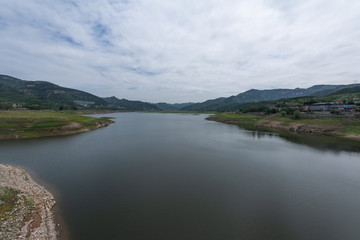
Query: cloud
pixel 180 51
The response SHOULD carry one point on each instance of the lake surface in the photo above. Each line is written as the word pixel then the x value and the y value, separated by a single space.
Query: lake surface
pixel 156 176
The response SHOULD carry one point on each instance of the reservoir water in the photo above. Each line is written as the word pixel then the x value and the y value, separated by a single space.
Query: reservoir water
pixel 156 176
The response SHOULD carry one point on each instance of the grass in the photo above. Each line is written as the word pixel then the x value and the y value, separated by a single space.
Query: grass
pixel 352 130
pixel 25 176
pixel 29 202
pixel 8 197
pixel 28 124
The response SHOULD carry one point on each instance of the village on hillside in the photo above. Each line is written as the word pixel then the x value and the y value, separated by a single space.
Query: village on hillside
pixel 345 105
pixel 333 107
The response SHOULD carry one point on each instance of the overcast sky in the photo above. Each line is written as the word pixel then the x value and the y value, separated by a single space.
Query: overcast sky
pixel 180 50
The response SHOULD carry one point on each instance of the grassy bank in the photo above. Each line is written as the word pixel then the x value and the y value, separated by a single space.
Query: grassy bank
pixel 326 126
pixel 32 124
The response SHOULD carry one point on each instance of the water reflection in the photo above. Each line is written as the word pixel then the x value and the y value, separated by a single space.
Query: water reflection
pixel 259 134
pixel 330 143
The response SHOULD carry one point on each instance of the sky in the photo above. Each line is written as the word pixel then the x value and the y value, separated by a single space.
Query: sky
pixel 180 50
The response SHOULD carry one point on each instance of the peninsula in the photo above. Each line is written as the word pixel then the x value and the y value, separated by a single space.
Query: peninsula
pixel 33 124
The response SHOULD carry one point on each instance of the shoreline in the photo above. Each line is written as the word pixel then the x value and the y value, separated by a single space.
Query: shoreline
pixel 53 134
pixel 27 207
pixel 60 224
pixel 296 128
pixel 38 124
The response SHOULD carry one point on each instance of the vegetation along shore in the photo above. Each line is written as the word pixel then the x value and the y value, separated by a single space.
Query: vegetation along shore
pixel 25 206
pixel 339 126
pixel 33 124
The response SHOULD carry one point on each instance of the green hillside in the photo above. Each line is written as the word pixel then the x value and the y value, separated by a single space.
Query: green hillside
pixel 17 93
pixel 41 94
pixel 125 104
pixel 254 95
pixel 172 106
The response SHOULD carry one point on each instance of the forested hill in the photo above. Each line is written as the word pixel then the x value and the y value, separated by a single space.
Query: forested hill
pixel 42 94
pixel 130 105
pixel 172 106
pixel 15 92
pixel 255 95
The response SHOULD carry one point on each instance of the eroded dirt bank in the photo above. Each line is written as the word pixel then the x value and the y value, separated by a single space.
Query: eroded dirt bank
pixel 299 128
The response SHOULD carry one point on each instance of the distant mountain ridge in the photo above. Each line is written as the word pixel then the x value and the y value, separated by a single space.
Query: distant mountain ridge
pixel 172 106
pixel 254 95
pixel 130 105
pixel 355 89
pixel 46 95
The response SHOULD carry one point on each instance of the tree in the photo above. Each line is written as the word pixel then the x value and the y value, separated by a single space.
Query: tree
pixel 297 114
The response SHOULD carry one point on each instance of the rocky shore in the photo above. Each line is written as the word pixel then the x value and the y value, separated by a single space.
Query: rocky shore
pixel 25 206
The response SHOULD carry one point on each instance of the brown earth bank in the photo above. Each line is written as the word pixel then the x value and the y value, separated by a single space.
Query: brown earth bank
pixel 296 128
pixel 25 206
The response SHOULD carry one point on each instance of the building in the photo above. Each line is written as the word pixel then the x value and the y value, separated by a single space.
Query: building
pixel 321 107
pixel 327 107
pixel 350 108
pixel 84 103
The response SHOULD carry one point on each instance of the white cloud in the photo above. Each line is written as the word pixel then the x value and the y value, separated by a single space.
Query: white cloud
pixel 179 51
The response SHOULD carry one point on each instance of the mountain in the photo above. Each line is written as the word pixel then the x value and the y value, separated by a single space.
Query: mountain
pixel 41 94
pixel 172 106
pixel 166 106
pixel 182 105
pixel 354 89
pixel 255 95
pixel 8 94
pixel 46 95
pixel 130 105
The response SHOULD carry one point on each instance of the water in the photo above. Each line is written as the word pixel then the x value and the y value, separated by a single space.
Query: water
pixel 156 176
